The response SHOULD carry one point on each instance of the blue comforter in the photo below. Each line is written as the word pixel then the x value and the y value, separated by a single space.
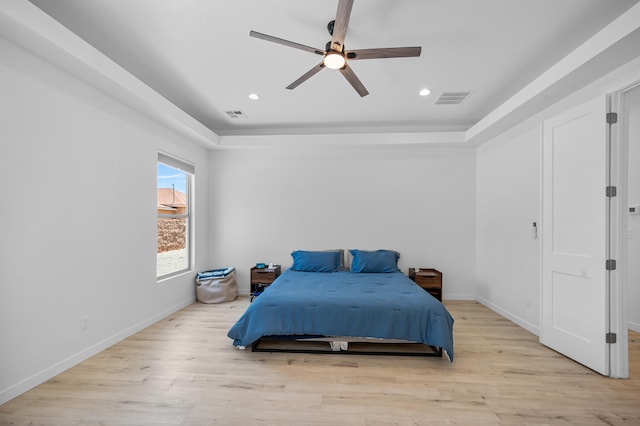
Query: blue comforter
pixel 387 306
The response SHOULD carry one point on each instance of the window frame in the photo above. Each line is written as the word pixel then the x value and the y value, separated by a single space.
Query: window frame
pixel 189 170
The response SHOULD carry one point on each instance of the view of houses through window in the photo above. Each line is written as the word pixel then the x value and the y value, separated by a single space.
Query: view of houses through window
pixel 173 202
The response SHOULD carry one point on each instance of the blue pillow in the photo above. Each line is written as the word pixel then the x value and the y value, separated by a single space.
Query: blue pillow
pixel 316 261
pixel 379 261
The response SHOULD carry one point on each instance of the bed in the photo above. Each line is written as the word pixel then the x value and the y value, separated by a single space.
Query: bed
pixel 361 307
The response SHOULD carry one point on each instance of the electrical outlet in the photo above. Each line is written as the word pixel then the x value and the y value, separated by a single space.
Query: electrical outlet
pixel 84 322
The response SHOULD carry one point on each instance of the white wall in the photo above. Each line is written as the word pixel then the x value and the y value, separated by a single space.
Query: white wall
pixel 633 225
pixel 417 200
pixel 508 202
pixel 78 217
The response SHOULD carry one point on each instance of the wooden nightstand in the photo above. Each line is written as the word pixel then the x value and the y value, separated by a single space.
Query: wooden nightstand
pixel 429 279
pixel 262 278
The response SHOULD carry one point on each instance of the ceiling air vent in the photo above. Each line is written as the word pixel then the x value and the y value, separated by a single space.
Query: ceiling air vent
pixel 452 98
pixel 236 114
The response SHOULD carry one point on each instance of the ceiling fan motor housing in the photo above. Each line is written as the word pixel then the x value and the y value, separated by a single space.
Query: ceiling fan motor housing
pixel 328 48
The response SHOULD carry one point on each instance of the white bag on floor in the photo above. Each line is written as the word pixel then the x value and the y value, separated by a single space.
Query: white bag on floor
pixel 217 289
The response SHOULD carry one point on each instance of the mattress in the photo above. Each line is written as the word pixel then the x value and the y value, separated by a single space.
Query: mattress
pixel 375 305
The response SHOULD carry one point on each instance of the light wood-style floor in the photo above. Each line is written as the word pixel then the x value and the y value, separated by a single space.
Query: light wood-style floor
pixel 184 371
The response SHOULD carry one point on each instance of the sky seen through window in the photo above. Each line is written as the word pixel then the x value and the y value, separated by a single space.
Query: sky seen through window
pixel 168 176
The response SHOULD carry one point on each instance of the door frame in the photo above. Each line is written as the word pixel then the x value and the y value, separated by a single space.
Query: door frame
pixel 619 175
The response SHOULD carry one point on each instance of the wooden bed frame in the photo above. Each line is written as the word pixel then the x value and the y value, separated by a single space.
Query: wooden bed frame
pixel 354 346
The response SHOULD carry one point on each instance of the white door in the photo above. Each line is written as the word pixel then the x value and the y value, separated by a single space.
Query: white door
pixel 575 235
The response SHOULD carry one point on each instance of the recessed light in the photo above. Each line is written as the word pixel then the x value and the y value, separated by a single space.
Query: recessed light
pixel 254 96
pixel 424 92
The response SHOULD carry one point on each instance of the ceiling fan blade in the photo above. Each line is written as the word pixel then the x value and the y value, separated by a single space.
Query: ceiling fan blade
pixel 286 42
pixel 353 80
pixel 306 76
pixel 343 14
pixel 385 52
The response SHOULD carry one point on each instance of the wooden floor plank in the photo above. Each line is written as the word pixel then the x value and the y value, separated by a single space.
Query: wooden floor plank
pixel 183 370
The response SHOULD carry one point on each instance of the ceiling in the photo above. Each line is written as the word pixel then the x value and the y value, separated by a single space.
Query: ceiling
pixel 198 55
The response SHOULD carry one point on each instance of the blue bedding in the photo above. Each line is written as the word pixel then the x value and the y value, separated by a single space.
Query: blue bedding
pixel 384 305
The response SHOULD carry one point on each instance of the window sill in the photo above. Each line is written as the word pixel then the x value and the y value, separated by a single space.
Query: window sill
pixel 173 275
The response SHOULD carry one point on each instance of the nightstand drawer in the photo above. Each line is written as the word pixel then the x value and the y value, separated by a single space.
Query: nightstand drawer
pixel 263 275
pixel 426 281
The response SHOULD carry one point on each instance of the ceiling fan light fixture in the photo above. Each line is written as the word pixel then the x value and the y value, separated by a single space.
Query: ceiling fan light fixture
pixel 334 60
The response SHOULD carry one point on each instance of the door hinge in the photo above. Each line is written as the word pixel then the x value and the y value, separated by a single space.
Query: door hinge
pixel 610 264
pixel 612 117
pixel 611 338
pixel 612 191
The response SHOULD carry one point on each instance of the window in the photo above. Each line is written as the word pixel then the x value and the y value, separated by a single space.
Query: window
pixel 174 216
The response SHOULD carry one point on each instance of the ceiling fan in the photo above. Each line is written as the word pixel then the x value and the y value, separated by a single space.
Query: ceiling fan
pixel 335 55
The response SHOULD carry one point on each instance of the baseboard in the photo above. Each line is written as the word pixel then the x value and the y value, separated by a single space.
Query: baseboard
pixel 458 296
pixel 44 375
pixel 511 317
pixel 634 326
